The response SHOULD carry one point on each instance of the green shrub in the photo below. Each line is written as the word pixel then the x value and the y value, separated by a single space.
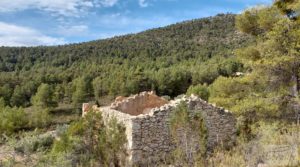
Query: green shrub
pixel 76 128
pixel 91 142
pixel 39 118
pixel 12 119
pixel 199 90
pixel 227 92
pixel 257 107
pixel 15 119
pixel 64 144
pixel 33 142
pixel 55 160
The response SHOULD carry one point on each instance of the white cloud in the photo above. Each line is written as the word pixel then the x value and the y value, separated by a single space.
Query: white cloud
pixel 13 35
pixel 108 3
pixel 56 7
pixel 73 30
pixel 143 3
pixel 118 20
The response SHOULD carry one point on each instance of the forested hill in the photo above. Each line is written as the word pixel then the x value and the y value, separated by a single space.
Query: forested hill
pixel 167 60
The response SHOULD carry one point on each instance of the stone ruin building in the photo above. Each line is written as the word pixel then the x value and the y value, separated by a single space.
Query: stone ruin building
pixel 146 118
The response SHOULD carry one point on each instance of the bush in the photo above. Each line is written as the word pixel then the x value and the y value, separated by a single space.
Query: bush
pixel 59 159
pixel 33 142
pixel 39 118
pixel 76 128
pixel 199 90
pixel 227 92
pixel 15 119
pixel 12 119
pixel 63 145
pixel 257 107
pixel 92 143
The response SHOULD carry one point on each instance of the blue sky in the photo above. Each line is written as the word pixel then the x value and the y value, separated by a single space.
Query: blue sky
pixel 54 22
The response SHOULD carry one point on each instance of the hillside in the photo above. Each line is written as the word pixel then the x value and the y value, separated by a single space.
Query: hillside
pixel 167 60
pixel 231 79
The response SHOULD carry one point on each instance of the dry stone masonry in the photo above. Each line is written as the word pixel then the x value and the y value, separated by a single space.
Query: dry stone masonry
pixel 138 104
pixel 146 118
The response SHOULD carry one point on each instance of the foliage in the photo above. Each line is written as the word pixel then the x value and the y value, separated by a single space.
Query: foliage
pixel 257 107
pixel 269 90
pixel 228 158
pixel 187 130
pixel 26 148
pixel 173 58
pixel 39 117
pixel 44 97
pixel 269 138
pixel 33 142
pixel 199 90
pixel 247 22
pixel 273 61
pixel 63 145
pixel 276 52
pixel 227 92
pixel 246 96
pixel 199 56
pixel 80 90
pixel 6 93
pixel 90 142
pixel 258 20
pixel 290 8
pixel 59 159
pixel 12 119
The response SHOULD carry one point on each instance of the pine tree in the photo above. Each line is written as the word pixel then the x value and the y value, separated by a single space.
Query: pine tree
pixel 44 97
pixel 80 91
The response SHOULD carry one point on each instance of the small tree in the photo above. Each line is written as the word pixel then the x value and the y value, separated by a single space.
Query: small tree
pixel 104 143
pixel 59 93
pixel 44 97
pixel 6 92
pixel 80 91
pixel 18 97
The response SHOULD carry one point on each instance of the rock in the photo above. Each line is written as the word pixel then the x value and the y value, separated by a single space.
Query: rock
pixel 146 118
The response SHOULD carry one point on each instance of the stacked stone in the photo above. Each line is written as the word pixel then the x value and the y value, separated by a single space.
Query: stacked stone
pixel 131 99
pixel 149 136
pixel 151 132
pixel 219 122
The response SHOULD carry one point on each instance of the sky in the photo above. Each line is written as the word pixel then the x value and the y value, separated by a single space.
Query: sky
pixel 57 22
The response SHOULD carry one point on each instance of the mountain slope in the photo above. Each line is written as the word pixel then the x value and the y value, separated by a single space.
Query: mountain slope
pixel 167 59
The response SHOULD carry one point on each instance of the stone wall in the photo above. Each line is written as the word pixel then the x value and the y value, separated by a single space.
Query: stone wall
pixel 151 139
pixel 149 136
